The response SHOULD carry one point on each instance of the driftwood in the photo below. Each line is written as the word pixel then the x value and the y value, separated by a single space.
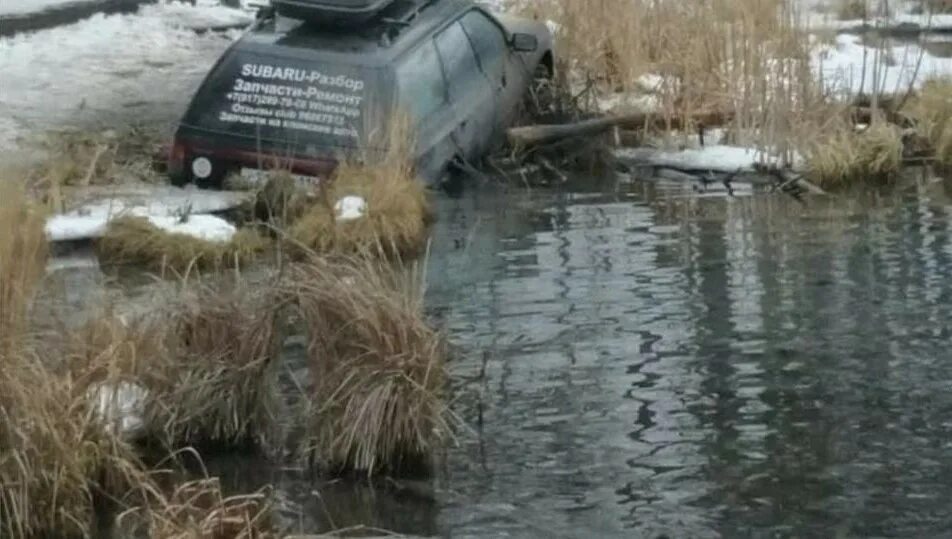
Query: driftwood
pixel 535 135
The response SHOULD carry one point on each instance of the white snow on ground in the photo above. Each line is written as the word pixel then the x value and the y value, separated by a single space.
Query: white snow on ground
pixel 848 67
pixel 108 69
pixel 120 406
pixel 204 227
pixel 715 158
pixel 163 206
pixel 350 208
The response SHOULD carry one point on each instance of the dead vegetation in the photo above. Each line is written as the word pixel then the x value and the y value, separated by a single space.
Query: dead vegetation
pixel 200 370
pixel 397 214
pixel 848 10
pixel 57 453
pixel 845 156
pixel 932 110
pixel 23 252
pixel 395 220
pixel 378 369
pixel 748 60
pixel 744 66
pixel 132 240
pixel 199 510
pixel 218 386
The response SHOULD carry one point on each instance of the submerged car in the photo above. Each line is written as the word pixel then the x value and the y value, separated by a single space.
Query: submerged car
pixel 312 82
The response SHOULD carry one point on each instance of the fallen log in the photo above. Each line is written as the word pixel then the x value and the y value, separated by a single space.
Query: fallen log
pixel 535 135
pixel 697 166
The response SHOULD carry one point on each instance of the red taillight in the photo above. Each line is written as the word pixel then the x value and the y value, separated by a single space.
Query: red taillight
pixel 177 157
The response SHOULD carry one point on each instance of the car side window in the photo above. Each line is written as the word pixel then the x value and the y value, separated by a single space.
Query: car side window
pixel 420 82
pixel 459 61
pixel 488 41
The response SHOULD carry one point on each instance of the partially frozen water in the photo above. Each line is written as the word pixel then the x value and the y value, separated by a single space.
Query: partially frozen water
pixel 656 363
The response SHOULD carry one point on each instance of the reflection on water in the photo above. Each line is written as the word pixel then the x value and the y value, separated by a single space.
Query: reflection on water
pixel 661 364
pixel 700 367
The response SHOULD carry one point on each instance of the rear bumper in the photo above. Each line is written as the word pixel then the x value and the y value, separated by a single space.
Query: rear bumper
pixel 215 159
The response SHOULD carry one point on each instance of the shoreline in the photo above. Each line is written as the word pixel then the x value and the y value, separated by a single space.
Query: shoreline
pixel 51 17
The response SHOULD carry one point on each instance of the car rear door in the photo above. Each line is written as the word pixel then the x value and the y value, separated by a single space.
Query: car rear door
pixel 422 94
pixel 497 64
pixel 471 95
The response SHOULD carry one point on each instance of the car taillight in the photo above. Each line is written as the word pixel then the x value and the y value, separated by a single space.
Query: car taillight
pixel 177 157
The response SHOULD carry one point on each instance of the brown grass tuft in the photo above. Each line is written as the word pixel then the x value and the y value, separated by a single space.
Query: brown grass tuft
pixel 747 57
pixel 81 158
pixel 848 10
pixel 135 241
pixel 218 383
pixel 54 453
pixel 199 510
pixel 932 110
pixel 378 369
pixel 397 207
pixel 845 157
pixel 23 250
pixel 58 453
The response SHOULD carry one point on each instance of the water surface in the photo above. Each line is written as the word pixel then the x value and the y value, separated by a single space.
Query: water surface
pixel 647 362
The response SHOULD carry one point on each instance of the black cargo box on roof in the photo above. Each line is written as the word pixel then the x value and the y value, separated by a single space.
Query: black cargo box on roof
pixel 331 11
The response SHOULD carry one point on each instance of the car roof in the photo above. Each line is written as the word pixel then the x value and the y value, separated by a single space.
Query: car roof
pixel 364 45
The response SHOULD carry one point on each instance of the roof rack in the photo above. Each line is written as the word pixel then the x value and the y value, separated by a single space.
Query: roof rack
pixel 400 15
pixel 391 19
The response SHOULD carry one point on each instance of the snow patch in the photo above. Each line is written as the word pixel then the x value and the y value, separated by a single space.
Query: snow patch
pixel 716 158
pixel 350 208
pixel 848 66
pixel 204 227
pixel 120 406
pixel 164 207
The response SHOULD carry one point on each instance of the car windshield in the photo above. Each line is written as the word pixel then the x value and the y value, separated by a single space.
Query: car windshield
pixel 289 101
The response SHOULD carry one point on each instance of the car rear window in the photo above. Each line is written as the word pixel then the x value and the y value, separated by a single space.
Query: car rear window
pixel 288 100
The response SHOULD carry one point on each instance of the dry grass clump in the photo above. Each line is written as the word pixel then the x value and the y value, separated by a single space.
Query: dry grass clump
pixel 218 385
pixel 848 10
pixel 747 59
pixel 281 200
pixel 199 510
pixel 397 212
pixel 134 240
pixel 206 362
pixel 932 110
pixel 56 452
pixel 936 6
pixel 378 369
pixel 395 222
pixel 846 157
pixel 85 157
pixel 58 456
pixel 23 250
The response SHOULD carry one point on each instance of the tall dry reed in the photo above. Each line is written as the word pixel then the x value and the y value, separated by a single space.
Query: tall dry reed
pixel 378 369
pixel 23 250
pixel 199 510
pixel 932 110
pixel 56 452
pixel 217 384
